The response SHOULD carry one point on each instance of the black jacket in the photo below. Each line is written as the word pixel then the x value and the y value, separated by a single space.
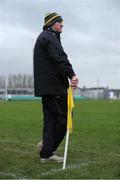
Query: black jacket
pixel 51 66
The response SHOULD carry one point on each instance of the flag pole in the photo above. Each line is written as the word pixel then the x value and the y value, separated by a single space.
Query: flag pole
pixel 66 149
pixel 70 104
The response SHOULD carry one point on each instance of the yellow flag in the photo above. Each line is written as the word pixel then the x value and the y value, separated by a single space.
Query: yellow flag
pixel 70 102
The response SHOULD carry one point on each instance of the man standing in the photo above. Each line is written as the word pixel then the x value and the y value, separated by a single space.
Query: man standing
pixel 51 72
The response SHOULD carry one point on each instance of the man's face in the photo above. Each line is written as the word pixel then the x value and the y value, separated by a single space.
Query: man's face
pixel 58 26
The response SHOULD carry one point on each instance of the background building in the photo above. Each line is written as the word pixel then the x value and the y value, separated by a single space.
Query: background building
pixel 22 86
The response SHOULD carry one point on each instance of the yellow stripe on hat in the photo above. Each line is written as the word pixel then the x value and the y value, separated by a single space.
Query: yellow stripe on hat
pixel 52 18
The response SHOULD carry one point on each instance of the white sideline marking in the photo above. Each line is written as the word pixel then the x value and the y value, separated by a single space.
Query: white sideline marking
pixel 70 166
pixel 16 176
pixel 8 174
pixel 9 141
pixel 16 141
pixel 18 151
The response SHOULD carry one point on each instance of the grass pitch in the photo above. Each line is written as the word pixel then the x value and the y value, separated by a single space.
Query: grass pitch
pixel 94 146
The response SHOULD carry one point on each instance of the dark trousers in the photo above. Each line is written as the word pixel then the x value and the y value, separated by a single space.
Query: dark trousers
pixel 55 123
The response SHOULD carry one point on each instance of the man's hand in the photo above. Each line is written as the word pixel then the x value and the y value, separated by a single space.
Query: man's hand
pixel 74 82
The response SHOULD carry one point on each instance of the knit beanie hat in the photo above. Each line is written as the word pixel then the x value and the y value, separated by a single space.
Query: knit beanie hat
pixel 51 18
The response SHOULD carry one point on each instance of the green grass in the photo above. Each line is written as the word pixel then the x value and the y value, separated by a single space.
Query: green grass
pixel 94 147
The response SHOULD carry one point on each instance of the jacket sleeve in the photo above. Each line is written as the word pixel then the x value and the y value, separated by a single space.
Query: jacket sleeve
pixel 57 54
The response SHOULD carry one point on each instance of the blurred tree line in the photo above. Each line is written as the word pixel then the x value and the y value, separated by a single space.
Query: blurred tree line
pixel 17 80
